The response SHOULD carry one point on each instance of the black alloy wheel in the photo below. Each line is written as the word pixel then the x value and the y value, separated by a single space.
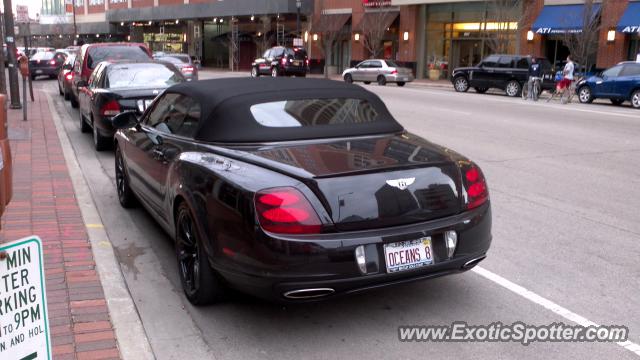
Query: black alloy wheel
pixel 125 195
pixel 199 282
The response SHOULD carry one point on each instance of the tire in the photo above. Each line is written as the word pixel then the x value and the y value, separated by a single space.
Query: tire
pixel 274 72
pixel 382 81
pixel 66 95
pixel 461 84
pixel 617 101
pixel 125 195
pixel 635 99
pixel 100 142
pixel 254 72
pixel 367 82
pixel 52 76
pixel 348 79
pixel 513 88
pixel 480 90
pixel 400 83
pixel 33 77
pixel 199 281
pixel 584 95
pixel 74 101
pixel 84 127
pixel 60 90
pixel 536 91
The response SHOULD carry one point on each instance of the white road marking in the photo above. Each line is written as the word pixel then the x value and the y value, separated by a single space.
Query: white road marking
pixel 547 304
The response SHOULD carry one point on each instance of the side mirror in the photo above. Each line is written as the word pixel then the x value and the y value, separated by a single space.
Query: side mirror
pixel 125 120
pixel 81 83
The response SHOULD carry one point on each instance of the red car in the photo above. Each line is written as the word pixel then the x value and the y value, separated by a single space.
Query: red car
pixel 92 54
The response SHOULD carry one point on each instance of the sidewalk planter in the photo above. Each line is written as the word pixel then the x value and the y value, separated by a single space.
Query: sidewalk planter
pixel 434 74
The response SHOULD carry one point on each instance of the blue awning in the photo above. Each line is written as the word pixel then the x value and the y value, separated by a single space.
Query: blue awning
pixel 558 19
pixel 630 20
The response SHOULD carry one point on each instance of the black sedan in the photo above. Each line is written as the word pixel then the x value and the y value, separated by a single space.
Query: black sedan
pixel 298 189
pixel 46 63
pixel 119 86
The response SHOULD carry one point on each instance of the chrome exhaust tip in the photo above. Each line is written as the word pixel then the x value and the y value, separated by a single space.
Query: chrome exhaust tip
pixel 473 262
pixel 302 294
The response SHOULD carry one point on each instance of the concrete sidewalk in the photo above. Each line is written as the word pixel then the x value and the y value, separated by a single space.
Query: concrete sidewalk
pixel 44 204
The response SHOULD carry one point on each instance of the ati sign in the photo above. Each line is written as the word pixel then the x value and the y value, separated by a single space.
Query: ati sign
pixel 630 29
pixel 376 3
pixel 24 328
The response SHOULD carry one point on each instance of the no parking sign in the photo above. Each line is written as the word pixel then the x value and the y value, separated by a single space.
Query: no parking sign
pixel 24 327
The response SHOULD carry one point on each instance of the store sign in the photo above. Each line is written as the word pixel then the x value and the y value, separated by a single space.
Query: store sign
pixel 24 328
pixel 376 3
pixel 631 29
pixel 22 14
pixel 68 7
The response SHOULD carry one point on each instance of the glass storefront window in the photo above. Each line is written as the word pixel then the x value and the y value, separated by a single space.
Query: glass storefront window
pixel 461 34
pixel 634 47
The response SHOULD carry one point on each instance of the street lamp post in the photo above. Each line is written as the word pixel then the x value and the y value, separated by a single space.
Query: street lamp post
pixel 298 5
pixel 11 53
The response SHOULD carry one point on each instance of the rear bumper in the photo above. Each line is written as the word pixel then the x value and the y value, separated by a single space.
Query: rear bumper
pixel 399 78
pixel 294 70
pixel 43 71
pixel 283 265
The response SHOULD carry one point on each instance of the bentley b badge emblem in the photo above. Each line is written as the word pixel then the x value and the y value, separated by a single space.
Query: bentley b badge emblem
pixel 401 183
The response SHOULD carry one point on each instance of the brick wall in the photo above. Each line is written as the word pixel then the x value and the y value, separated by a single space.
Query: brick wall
pixel 610 53
pixel 531 12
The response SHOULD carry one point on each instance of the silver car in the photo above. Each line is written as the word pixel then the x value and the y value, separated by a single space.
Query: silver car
pixel 182 62
pixel 380 71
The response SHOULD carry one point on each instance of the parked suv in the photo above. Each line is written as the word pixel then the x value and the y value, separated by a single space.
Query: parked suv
pixel 506 72
pixel 93 54
pixel 281 61
pixel 618 84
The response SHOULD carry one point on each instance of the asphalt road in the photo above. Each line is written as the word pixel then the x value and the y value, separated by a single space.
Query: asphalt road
pixel 565 188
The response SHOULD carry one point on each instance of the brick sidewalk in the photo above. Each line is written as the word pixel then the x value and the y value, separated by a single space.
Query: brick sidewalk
pixel 44 204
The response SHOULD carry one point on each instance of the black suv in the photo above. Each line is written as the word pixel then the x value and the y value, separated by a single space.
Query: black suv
pixel 506 72
pixel 281 61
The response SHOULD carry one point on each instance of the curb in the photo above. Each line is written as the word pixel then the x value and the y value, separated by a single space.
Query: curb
pixel 130 335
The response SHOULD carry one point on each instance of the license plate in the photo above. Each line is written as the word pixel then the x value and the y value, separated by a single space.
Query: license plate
pixel 296 63
pixel 408 255
pixel 38 71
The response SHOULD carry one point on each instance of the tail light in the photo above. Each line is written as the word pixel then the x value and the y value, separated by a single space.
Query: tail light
pixel 286 211
pixel 475 185
pixel 284 61
pixel 52 62
pixel 394 71
pixel 69 76
pixel 110 108
pixel 187 69
pixel 306 61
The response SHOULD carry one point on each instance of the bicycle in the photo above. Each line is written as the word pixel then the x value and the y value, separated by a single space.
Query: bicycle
pixel 534 84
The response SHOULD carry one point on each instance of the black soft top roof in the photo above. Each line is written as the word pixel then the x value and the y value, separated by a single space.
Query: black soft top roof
pixel 226 115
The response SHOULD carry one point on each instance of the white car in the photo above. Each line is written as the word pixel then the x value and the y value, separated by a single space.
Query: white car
pixel 378 70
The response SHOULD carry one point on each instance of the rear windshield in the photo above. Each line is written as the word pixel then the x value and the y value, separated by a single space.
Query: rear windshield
pixel 297 53
pixel 141 75
pixel 110 53
pixel 392 64
pixel 43 56
pixel 175 59
pixel 314 112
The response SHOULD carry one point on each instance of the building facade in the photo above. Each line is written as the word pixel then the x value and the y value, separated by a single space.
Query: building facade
pixel 429 36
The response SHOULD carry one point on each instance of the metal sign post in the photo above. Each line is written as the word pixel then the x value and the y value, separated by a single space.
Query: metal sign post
pixel 24 330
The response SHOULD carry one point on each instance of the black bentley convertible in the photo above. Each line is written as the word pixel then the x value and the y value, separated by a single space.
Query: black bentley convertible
pixel 298 189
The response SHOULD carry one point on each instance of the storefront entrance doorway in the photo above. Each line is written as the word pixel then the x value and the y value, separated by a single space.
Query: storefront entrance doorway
pixel 465 52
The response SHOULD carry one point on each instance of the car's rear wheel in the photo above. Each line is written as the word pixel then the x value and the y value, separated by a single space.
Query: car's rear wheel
pixel 382 81
pixel 100 142
pixel 125 195
pixel 461 84
pixel 199 281
pixel 348 78
pixel 84 127
pixel 74 102
pixel 513 88
pixel 274 72
pixel 400 83
pixel 480 90
pixel 584 95
pixel 254 72
pixel 617 101
pixel 66 95
pixel 635 99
